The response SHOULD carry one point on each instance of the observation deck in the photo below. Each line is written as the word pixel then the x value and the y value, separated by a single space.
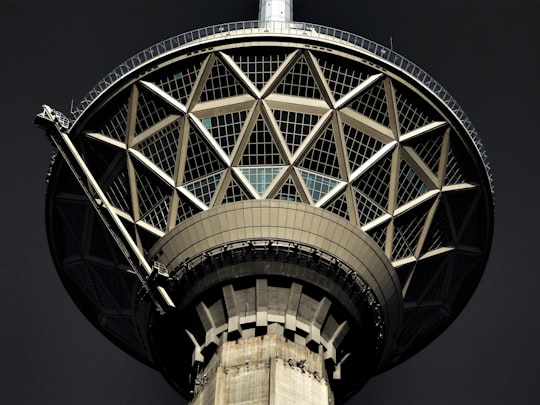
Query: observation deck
pixel 269 178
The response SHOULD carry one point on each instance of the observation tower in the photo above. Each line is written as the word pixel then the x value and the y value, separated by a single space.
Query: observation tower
pixel 268 211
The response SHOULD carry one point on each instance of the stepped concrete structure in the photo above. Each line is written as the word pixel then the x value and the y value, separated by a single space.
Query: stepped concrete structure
pixel 268 212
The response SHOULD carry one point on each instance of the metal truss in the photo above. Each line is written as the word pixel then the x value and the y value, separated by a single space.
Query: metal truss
pixel 298 125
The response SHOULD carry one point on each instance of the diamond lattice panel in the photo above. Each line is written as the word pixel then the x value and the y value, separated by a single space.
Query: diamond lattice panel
pixel 367 209
pixel 318 186
pixel 299 82
pixel 161 147
pixel 186 209
pixel 375 184
pixel 429 148
pixel 178 81
pixel 226 128
pixel 118 192
pixel 322 157
pixel 201 160
pixel 221 83
pixel 407 230
pixel 439 233
pixel 151 193
pixel 114 124
pixel 150 110
pixel 341 76
pixel 373 104
pixel 360 146
pixel 410 185
pixel 288 192
pixel 259 67
pixel 234 193
pixel 260 177
pixel 261 148
pixel 340 207
pixel 412 111
pixel 204 188
pixel 295 126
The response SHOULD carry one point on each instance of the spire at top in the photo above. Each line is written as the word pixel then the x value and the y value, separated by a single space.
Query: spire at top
pixel 275 10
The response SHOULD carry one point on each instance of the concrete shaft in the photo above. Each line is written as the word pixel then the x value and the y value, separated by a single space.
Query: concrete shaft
pixel 263 370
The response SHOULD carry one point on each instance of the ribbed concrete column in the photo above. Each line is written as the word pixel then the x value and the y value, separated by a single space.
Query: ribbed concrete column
pixel 263 370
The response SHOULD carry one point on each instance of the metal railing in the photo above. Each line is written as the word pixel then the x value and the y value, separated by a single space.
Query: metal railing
pixel 291 29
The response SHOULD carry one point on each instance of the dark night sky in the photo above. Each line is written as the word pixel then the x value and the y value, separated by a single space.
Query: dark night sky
pixel 485 52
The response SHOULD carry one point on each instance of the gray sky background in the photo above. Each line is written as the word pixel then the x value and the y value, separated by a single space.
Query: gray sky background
pixel 485 52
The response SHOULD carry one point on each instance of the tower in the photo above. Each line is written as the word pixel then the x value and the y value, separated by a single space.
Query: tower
pixel 266 184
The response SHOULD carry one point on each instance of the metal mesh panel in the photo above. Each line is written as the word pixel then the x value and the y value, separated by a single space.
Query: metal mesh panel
pixel 118 192
pixel 157 217
pixel 221 84
pixel 150 111
pixel 439 234
pixel 455 169
pixel 373 104
pixel 375 183
pixel 234 193
pixel 149 191
pixel 340 207
pixel 201 160
pixel 261 149
pixel 379 236
pixel 429 149
pixel 367 209
pixel 288 192
pixel 186 209
pixel 260 177
pixel 340 75
pixel 299 82
pixel 360 146
pixel 407 230
pixel 161 148
pixel 259 68
pixel 226 128
pixel 412 112
pixel 179 83
pixel 205 188
pixel 410 185
pixel 317 185
pixel 322 157
pixel 114 125
pixel 295 126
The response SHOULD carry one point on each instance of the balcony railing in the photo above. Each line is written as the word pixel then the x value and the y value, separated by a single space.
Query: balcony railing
pixel 290 29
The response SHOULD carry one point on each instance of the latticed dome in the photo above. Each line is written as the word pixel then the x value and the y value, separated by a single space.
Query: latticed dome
pixel 330 126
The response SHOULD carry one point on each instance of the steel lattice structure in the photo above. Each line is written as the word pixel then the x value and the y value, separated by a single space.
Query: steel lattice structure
pixel 284 118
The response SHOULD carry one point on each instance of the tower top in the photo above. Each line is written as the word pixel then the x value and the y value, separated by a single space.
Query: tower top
pixel 275 10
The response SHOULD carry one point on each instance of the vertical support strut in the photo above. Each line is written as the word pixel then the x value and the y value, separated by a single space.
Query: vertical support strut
pixel 57 126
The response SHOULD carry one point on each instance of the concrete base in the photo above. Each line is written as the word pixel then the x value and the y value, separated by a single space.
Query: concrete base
pixel 263 370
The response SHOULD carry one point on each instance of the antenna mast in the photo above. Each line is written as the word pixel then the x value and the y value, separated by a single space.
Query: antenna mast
pixel 276 10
